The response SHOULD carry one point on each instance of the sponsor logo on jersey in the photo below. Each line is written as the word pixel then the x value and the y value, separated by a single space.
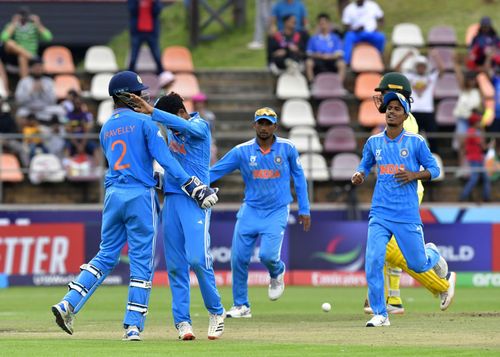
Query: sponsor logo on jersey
pixel 266 174
pixel 178 148
pixel 390 169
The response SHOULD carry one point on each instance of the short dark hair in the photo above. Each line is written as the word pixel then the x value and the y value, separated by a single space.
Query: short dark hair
pixel 323 15
pixel 170 103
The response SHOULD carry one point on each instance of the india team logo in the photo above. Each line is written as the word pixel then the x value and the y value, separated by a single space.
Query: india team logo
pixel 253 160
pixel 278 160
pixel 404 153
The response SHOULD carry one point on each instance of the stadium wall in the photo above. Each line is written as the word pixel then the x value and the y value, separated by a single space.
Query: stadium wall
pixel 47 247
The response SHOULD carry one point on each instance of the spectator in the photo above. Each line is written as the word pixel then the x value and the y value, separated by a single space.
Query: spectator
pixel 482 44
pixel 285 8
pixel 145 27
pixel 474 153
pixel 36 94
pixel 33 136
pixel 262 15
pixel 22 36
pixel 8 126
pixel 79 125
pixel 165 81
pixel 423 81
pixel 361 19
pixel 495 78
pixel 468 100
pixel 324 51
pixel 54 138
pixel 4 80
pixel 286 49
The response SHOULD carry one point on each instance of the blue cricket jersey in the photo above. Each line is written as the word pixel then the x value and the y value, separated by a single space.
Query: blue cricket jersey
pixel 189 142
pixel 391 200
pixel 131 141
pixel 266 174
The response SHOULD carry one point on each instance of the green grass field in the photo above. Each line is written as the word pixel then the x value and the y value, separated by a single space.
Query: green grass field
pixel 293 326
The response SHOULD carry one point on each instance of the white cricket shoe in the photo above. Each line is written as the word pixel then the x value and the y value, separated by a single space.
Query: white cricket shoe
pixel 395 309
pixel 447 296
pixel 277 287
pixel 216 325
pixel 239 311
pixel 131 334
pixel 441 267
pixel 185 331
pixel 378 321
pixel 64 316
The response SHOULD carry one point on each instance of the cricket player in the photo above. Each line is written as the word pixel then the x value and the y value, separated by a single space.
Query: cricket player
pixel 398 156
pixel 266 164
pixel 185 225
pixel 130 142
pixel 395 263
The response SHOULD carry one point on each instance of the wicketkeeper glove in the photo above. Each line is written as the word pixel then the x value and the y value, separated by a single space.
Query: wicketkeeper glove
pixel 205 196
pixel 158 176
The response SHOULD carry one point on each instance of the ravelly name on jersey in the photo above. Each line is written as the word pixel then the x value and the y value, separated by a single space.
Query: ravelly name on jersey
pixel 119 131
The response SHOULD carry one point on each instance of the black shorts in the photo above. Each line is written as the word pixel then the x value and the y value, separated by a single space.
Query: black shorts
pixel 322 65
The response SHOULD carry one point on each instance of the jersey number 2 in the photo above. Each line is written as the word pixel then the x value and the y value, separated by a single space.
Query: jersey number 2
pixel 118 164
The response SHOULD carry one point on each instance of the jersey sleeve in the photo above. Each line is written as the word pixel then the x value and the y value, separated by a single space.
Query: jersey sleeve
pixel 194 127
pixel 226 165
pixel 158 149
pixel 368 159
pixel 426 160
pixel 299 181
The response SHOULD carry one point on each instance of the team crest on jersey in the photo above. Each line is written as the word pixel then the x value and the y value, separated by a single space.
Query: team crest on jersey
pixel 278 160
pixel 378 153
pixel 404 153
pixel 253 160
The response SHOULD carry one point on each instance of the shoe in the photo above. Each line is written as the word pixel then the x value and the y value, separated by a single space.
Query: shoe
pixel 132 334
pixel 447 296
pixel 367 308
pixel 64 316
pixel 441 268
pixel 185 331
pixel 239 311
pixel 277 287
pixel 216 325
pixel 378 321
pixel 395 309
pixel 255 45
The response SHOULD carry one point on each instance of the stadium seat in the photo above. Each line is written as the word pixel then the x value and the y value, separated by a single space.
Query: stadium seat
pixel 46 168
pixel 99 86
pixel 104 111
pixel 100 59
pixel 368 114
pixel 291 86
pixel 145 61
pixel 58 60
pixel 397 55
pixel 442 36
pixel 340 139
pixel 305 139
pixel 366 58
pixel 439 162
pixel 407 34
pixel 296 112
pixel 64 83
pixel 471 33
pixel 327 85
pixel 445 54
pixel 485 85
pixel 151 80
pixel 447 86
pixel 10 169
pixel 186 84
pixel 444 112
pixel 177 59
pixel 81 169
pixel 365 84
pixel 343 166
pixel 315 167
pixel 333 112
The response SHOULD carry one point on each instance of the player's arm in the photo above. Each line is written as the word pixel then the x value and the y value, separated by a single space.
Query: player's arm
pixel 300 183
pixel 196 127
pixel 426 160
pixel 366 164
pixel 226 165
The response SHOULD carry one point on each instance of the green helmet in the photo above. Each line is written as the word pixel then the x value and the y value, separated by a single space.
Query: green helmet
pixel 395 82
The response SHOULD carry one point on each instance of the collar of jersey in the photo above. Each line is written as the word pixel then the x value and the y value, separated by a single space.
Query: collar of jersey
pixel 396 139
pixel 120 110
pixel 194 115
pixel 257 147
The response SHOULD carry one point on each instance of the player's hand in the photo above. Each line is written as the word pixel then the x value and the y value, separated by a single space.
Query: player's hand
pixel 36 19
pixel 305 219
pixel 16 19
pixel 358 178
pixel 139 105
pixel 205 196
pixel 403 177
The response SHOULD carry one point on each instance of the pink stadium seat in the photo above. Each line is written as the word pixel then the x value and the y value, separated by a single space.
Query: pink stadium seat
pixel 365 84
pixel 343 166
pixel 445 54
pixel 327 85
pixel 340 139
pixel 186 85
pixel 151 80
pixel 10 169
pixel 369 115
pixel 447 86
pixel 366 58
pixel 442 36
pixel 64 83
pixel 444 112
pixel 58 60
pixel 333 112
pixel 177 59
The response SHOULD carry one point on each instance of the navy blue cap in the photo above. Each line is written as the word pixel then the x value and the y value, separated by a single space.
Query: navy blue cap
pixel 126 81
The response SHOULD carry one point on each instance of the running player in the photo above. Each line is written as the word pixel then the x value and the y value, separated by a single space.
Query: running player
pixel 130 142
pixel 266 164
pixel 398 156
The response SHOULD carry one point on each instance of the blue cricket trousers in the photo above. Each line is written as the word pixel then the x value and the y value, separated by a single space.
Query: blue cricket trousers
pixel 352 38
pixel 187 244
pixel 410 239
pixel 130 215
pixel 251 224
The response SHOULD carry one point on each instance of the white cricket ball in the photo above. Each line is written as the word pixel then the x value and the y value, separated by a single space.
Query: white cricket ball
pixel 326 307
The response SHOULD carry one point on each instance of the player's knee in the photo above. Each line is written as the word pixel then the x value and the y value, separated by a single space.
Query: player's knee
pixel 267 258
pixel 197 262
pixel 417 266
